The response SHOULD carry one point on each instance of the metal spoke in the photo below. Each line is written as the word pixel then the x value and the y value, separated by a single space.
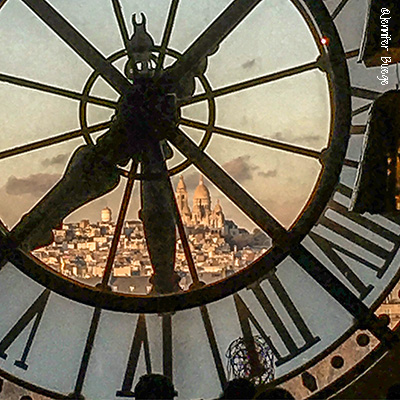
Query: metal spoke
pixel 361 110
pixel 254 139
pixel 185 245
pixel 365 93
pixel 26 83
pixel 339 8
pixel 2 2
pixel 121 21
pixel 357 129
pixel 118 228
pixel 212 37
pixel 51 141
pixel 78 43
pixel 167 32
pixel 230 188
pixel 352 53
pixel 252 83
pixel 350 163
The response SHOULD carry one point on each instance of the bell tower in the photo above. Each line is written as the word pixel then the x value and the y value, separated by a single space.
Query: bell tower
pixel 182 200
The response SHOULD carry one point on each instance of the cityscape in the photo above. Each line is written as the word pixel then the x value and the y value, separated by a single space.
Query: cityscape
pixel 218 246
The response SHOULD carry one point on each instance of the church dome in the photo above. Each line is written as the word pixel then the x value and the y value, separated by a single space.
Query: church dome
pixel 201 192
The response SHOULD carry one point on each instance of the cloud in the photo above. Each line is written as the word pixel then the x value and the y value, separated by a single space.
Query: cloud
pixel 249 64
pixel 35 184
pixel 269 174
pixel 60 159
pixel 278 135
pixel 240 168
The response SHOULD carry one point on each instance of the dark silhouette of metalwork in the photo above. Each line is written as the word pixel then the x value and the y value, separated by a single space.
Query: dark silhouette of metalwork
pixel 155 386
pixel 273 394
pixel 145 117
pixel 240 389
pixel 239 365
pixel 377 187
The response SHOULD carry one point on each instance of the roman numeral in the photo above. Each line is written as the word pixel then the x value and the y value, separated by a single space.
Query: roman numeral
pixel 347 238
pixel 35 311
pixel 341 204
pixel 77 394
pixel 213 345
pixel 330 250
pixel 246 316
pixel 366 318
pixel 140 337
pixel 167 344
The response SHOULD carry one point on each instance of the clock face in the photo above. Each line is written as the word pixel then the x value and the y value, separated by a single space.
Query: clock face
pixel 265 101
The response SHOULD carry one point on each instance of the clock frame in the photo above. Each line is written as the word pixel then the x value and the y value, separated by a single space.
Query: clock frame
pixel 326 243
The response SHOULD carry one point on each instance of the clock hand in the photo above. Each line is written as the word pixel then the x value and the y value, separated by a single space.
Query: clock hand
pixel 142 120
pixel 150 100
pixel 210 39
pixel 146 114
pixel 91 173
pixel 157 215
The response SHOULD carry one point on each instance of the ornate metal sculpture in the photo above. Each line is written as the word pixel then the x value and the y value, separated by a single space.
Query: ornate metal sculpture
pixel 139 49
pixel 239 363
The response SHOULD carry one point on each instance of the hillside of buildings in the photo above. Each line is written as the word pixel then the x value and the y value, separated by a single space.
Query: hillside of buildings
pixel 219 247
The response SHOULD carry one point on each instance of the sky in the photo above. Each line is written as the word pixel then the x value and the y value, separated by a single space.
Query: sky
pixel 294 110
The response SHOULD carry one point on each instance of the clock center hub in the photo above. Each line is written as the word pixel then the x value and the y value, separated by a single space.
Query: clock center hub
pixel 147 111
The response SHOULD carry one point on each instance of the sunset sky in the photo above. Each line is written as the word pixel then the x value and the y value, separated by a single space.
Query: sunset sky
pixel 293 110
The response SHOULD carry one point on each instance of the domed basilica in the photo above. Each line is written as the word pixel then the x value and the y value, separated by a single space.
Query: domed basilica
pixel 201 214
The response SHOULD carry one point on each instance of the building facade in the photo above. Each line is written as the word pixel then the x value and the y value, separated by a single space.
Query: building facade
pixel 202 213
